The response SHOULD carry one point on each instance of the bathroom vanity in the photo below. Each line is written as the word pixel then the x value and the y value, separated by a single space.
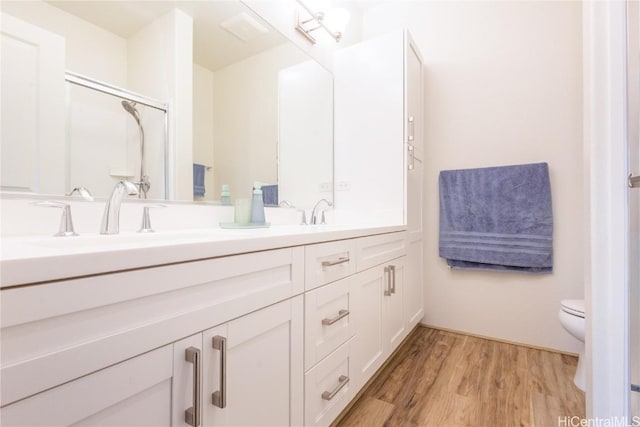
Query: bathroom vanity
pixel 284 333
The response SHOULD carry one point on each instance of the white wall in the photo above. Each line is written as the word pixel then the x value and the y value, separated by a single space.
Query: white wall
pixel 503 86
pixel 246 119
pixel 203 131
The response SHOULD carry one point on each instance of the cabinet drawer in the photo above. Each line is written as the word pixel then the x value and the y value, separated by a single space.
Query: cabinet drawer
pixel 328 262
pixel 134 392
pixel 327 388
pixel 327 320
pixel 376 250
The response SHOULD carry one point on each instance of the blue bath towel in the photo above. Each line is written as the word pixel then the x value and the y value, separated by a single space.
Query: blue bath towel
pixel 198 180
pixel 497 218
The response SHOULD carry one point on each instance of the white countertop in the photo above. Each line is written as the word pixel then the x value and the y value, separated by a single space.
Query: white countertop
pixel 28 260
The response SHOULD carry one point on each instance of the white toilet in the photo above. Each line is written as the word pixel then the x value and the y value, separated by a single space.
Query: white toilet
pixel 572 318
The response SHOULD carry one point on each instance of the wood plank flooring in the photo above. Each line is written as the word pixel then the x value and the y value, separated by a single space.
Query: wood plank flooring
pixel 444 379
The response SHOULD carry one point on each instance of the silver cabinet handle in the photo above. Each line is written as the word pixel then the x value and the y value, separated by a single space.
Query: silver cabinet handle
pixel 192 415
pixel 412 157
pixel 340 260
pixel 341 314
pixel 392 278
pixel 342 381
pixel 387 291
pixel 219 397
pixel 412 129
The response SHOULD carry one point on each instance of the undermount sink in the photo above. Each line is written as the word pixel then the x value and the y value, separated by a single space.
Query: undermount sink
pixel 98 242
pixel 125 239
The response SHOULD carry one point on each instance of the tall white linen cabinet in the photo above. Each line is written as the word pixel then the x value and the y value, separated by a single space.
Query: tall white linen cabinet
pixel 379 179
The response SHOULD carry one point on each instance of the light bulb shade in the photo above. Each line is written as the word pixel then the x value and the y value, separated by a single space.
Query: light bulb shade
pixel 337 19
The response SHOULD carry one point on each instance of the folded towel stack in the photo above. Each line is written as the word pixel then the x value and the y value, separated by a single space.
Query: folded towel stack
pixel 497 218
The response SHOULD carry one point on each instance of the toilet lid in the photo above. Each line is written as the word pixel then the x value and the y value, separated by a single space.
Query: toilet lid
pixel 573 306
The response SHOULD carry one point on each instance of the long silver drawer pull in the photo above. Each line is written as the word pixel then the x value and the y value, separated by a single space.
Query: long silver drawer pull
pixel 342 381
pixel 412 157
pixel 192 415
pixel 392 278
pixel 412 128
pixel 219 397
pixel 387 290
pixel 340 260
pixel 341 314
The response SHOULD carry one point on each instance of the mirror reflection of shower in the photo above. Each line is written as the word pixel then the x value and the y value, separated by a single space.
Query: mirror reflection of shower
pixel 143 182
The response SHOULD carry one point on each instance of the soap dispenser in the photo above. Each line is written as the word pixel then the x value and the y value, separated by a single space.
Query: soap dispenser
pixel 257 205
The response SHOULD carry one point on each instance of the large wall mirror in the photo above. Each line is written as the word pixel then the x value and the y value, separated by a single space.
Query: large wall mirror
pixel 208 88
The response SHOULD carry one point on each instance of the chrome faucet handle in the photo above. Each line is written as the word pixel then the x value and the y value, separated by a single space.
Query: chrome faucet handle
pixel 146 219
pixel 66 222
pixel 83 192
pixel 303 220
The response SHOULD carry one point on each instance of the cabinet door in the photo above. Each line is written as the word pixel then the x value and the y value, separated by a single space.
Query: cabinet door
pixel 133 393
pixel 262 359
pixel 413 136
pixel 368 343
pixel 394 325
pixel 413 291
pixel 32 110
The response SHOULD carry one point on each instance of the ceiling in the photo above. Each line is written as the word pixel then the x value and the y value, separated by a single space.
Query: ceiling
pixel 213 46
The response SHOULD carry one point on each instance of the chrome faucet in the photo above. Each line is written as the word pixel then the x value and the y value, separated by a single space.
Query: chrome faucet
pixel 315 211
pixel 111 217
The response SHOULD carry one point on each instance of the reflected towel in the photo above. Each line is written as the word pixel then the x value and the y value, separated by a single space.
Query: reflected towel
pixel 270 195
pixel 198 180
pixel 497 218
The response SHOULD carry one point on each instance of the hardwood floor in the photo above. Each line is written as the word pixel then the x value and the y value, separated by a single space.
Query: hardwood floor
pixel 445 379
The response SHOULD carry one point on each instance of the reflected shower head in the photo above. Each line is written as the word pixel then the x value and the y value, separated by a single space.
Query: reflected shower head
pixel 130 107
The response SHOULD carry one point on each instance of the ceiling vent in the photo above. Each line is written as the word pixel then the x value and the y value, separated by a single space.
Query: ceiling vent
pixel 244 26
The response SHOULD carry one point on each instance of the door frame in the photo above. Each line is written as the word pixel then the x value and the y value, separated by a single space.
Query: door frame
pixel 606 191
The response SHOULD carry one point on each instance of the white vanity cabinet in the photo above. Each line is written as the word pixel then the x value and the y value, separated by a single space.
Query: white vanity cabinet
pixel 234 340
pixel 246 372
pixel 89 340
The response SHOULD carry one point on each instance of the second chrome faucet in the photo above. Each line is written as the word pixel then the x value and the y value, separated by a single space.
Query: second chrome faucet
pixel 111 217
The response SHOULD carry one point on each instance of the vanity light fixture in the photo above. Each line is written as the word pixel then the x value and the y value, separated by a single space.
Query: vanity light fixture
pixel 338 18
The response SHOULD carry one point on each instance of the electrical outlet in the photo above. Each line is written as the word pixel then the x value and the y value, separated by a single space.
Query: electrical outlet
pixel 325 187
pixel 343 186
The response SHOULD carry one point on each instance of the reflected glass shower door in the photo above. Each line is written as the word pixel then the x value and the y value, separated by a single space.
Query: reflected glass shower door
pixel 107 127
pixel 633 109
